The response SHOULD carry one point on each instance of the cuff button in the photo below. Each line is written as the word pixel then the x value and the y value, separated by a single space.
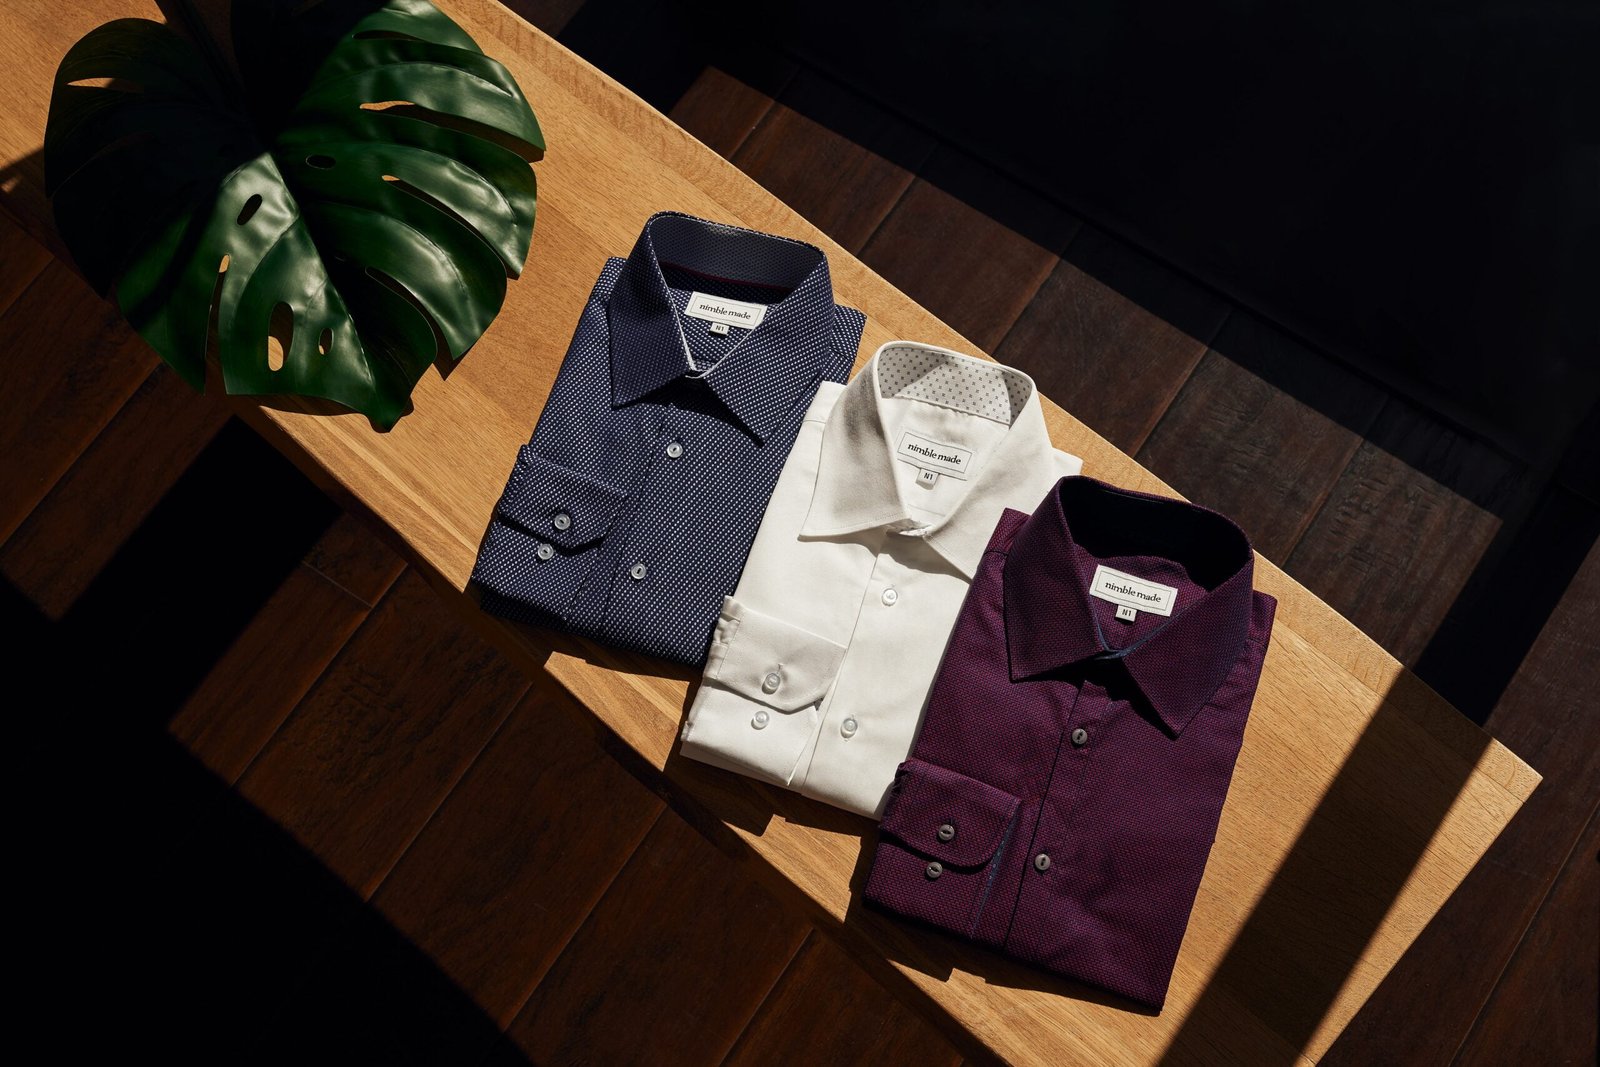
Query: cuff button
pixel 933 870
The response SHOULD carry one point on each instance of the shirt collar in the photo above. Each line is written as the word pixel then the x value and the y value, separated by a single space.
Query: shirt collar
pixel 1049 623
pixel 856 487
pixel 772 367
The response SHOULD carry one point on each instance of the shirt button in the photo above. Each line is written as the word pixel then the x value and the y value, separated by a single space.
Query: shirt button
pixel 848 728
pixel 544 551
pixel 770 683
pixel 947 832
pixel 561 521
pixel 891 595
pixel 1041 862
pixel 933 870
pixel 638 571
pixel 759 720
pixel 674 450
pixel 1080 736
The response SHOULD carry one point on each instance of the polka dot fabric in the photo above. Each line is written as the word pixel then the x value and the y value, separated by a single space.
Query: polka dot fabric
pixel 987 390
pixel 628 516
pixel 1065 796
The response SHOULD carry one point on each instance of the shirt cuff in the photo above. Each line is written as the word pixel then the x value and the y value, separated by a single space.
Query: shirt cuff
pixel 941 835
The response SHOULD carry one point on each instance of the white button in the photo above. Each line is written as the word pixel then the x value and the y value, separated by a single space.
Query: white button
pixel 561 521
pixel 638 571
pixel 759 721
pixel 848 728
pixel 674 450
pixel 891 596
pixel 544 551
pixel 770 683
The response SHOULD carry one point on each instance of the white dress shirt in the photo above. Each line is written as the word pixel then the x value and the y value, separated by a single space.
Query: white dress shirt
pixel 822 659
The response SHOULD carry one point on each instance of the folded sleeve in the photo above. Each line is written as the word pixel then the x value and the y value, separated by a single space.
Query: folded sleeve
pixel 938 843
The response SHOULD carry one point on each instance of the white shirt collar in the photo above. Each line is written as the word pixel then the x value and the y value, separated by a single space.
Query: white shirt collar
pixel 856 488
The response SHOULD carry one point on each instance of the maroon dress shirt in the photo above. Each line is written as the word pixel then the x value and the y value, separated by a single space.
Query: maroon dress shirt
pixel 1062 797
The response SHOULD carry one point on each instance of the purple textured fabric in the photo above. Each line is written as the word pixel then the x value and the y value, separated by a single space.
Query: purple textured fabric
pixel 1062 797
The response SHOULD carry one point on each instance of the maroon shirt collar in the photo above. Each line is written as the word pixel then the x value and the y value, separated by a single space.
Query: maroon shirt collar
pixel 1049 623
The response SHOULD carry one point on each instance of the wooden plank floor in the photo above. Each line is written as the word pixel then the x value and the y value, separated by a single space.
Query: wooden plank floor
pixel 353 825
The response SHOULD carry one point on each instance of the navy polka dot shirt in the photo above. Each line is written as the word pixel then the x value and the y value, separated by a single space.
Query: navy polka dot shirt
pixel 629 514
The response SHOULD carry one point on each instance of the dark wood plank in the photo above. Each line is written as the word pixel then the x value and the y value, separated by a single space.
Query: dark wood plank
pixel 253 687
pixel 518 856
pixel 969 245
pixel 71 363
pixel 364 761
pixel 1096 350
pixel 72 533
pixel 1422 1010
pixel 826 1009
pixel 837 159
pixel 1261 432
pixel 1545 1008
pixel 670 966
pixel 720 110
pixel 21 260
pixel 1393 547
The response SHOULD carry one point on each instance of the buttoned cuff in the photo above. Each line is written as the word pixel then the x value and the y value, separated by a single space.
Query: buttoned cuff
pixel 758 705
pixel 941 835
pixel 557 504
pixel 536 552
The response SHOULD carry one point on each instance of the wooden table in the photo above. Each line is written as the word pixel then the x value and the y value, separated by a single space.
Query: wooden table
pixel 1360 800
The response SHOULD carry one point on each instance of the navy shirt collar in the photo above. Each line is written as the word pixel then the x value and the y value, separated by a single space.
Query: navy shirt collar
pixel 772 368
pixel 1048 570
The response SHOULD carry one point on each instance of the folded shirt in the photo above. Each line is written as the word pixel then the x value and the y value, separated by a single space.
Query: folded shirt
pixel 823 656
pixel 1062 797
pixel 628 515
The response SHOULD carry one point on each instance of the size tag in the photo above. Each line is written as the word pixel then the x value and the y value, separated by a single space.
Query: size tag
pixel 933 455
pixel 928 479
pixel 1127 591
pixel 719 328
pixel 724 311
pixel 1126 614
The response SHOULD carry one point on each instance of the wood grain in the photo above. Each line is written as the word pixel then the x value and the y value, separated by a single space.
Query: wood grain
pixel 1097 352
pixel 365 759
pixel 668 968
pixel 503 876
pixel 1239 440
pixel 720 110
pixel 76 529
pixel 1326 689
pixel 836 159
pixel 76 363
pixel 1546 1007
pixel 1426 1004
pixel 21 260
pixel 963 263
pixel 270 667
pixel 826 1010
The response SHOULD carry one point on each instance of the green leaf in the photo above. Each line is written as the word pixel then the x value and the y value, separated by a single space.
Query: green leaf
pixel 364 189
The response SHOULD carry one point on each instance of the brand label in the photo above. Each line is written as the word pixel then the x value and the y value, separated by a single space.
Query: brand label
pixel 932 455
pixel 728 312
pixel 1128 591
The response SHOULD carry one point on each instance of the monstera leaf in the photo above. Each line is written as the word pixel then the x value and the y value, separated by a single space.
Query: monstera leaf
pixel 347 200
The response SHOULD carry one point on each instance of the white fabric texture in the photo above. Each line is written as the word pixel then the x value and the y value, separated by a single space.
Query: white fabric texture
pixel 823 657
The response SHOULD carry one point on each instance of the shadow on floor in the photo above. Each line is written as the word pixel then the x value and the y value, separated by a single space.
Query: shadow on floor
pixel 161 909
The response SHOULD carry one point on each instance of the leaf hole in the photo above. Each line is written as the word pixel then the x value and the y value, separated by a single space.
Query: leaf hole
pixel 324 341
pixel 320 161
pixel 385 105
pixel 121 85
pixel 280 335
pixel 249 210
pixel 222 267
